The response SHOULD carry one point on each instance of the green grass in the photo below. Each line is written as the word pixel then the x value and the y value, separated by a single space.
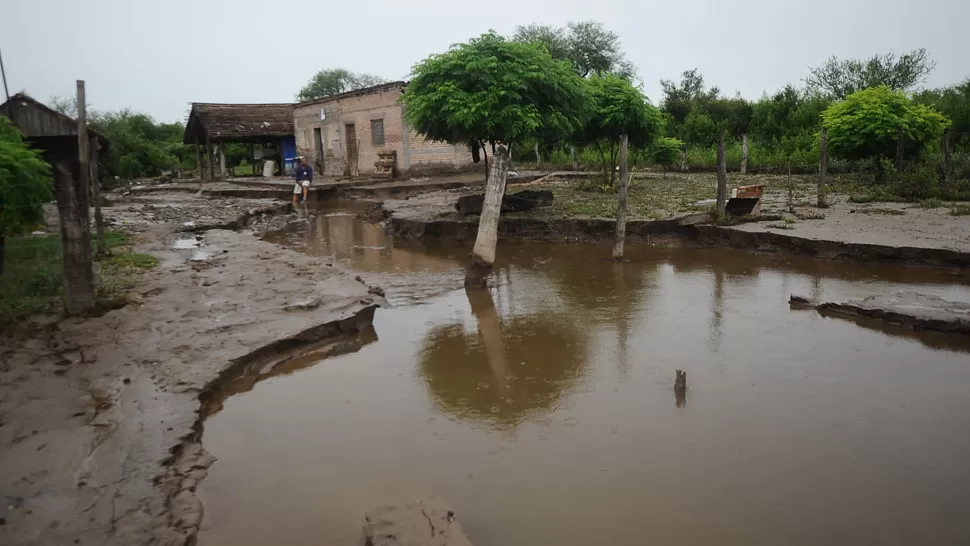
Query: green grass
pixel 960 210
pixel 932 203
pixel 33 279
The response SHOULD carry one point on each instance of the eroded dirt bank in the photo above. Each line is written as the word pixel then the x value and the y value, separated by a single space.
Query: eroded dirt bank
pixel 98 442
pixel 845 231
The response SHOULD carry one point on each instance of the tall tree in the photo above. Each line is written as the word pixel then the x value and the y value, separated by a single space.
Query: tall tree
pixel 839 78
pixel 25 185
pixel 866 124
pixel 618 109
pixel 493 91
pixel 587 45
pixel 333 81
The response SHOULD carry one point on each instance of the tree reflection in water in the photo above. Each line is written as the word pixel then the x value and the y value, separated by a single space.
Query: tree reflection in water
pixel 510 370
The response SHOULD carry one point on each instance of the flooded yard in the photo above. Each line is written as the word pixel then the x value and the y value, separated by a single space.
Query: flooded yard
pixel 543 408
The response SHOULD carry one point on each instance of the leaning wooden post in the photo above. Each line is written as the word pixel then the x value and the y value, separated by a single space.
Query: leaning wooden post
pixel 621 200
pixel 947 160
pixel 721 177
pixel 483 255
pixel 72 205
pixel 899 149
pixel 823 165
pixel 744 153
pixel 96 191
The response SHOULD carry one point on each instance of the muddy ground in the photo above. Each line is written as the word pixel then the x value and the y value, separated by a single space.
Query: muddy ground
pixel 99 416
pixel 657 197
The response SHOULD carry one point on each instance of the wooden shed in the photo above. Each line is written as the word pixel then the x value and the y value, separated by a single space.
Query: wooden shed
pixel 255 124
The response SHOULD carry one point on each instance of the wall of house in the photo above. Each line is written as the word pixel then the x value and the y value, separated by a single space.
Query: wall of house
pixel 415 155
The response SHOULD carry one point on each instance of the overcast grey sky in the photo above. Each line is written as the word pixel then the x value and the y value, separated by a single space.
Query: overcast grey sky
pixel 157 56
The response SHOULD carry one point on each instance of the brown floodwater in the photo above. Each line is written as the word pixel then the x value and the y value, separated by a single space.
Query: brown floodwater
pixel 543 408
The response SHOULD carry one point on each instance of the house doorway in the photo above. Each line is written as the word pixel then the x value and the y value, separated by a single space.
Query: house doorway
pixel 351 132
pixel 318 149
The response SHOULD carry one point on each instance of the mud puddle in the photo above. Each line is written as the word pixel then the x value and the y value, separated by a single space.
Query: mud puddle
pixel 543 408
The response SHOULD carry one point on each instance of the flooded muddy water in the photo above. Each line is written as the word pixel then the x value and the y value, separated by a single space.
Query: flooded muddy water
pixel 543 408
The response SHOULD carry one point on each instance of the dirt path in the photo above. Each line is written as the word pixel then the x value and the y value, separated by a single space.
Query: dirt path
pixel 99 417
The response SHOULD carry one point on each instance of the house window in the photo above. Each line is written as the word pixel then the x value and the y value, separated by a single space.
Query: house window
pixel 377 132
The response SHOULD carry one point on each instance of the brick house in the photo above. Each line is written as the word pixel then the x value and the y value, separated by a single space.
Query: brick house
pixel 343 134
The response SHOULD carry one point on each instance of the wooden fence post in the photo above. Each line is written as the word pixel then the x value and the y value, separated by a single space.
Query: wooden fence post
pixel 744 153
pixel 621 200
pixel 198 158
pixel 208 158
pixel 823 166
pixel 72 205
pixel 721 177
pixel 683 157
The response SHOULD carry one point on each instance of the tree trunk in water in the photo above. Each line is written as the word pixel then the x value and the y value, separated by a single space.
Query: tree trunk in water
pixel 899 149
pixel 721 177
pixel 947 160
pixel 621 201
pixel 72 207
pixel 744 153
pixel 483 255
pixel 823 166
pixel 490 330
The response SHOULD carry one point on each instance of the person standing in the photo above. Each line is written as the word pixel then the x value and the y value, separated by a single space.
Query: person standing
pixel 304 177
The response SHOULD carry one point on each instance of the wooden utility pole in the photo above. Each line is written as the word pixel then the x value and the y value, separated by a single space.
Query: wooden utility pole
pixel 899 149
pixel 947 160
pixel 744 153
pixel 621 200
pixel 3 73
pixel 721 177
pixel 72 205
pixel 823 165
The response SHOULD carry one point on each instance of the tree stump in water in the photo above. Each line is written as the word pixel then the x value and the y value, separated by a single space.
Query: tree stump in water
pixel 680 388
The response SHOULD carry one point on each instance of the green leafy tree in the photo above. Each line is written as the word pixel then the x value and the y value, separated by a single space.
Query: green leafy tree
pixel 140 146
pixel 25 184
pixel 865 125
pixel 665 151
pixel 587 45
pixel 839 78
pixel 954 103
pixel 496 91
pixel 618 109
pixel 333 81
